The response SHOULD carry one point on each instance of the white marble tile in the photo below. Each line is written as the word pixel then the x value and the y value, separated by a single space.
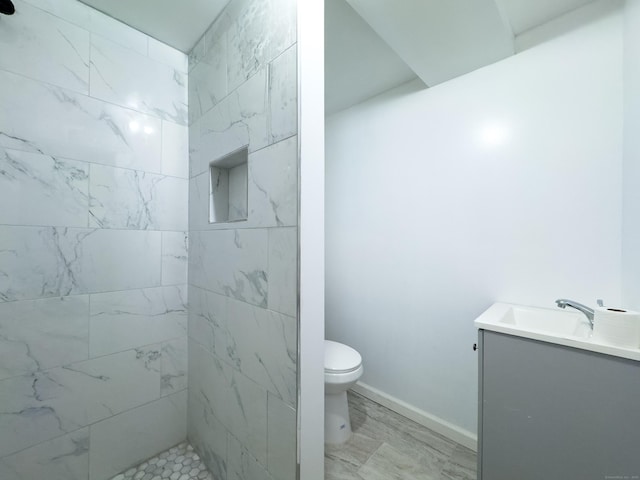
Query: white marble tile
pixel 238 179
pixel 38 262
pixel 206 433
pixel 44 47
pixel 175 150
pixel 66 124
pixel 283 95
pixel 63 458
pixel 283 271
pixel 35 408
pixel 208 320
pixel 194 149
pixel 241 119
pixel 237 402
pixel 124 440
pixel 121 260
pixel 262 344
pixel 283 26
pixel 221 25
pixel 230 262
pixel 41 334
pixel 261 31
pixel 248 42
pixel 174 258
pixel 197 52
pixel 49 190
pixel 131 318
pixel 242 465
pixel 219 196
pixel 249 106
pixel 208 80
pixel 281 446
pixel 272 190
pixel 199 191
pixel 132 80
pixel 123 198
pixel 117 32
pixel 273 184
pixel 163 53
pixel 174 366
pixel 95 22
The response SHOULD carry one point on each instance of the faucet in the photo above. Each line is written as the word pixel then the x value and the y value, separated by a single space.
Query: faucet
pixel 563 303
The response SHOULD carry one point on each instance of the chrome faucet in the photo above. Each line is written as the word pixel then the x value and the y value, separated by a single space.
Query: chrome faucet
pixel 563 303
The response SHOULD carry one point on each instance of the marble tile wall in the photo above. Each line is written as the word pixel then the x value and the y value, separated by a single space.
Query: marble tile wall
pixel 94 180
pixel 243 275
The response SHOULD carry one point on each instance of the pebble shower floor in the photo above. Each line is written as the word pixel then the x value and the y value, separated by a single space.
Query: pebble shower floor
pixel 177 463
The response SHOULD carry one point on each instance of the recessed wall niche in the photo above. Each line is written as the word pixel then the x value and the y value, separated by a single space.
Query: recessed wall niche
pixel 228 187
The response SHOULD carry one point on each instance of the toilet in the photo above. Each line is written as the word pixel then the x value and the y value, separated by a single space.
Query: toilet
pixel 342 369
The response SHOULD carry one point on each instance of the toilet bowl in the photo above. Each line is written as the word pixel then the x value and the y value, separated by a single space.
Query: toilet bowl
pixel 342 369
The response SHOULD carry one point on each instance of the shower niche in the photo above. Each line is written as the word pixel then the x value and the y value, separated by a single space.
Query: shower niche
pixel 229 176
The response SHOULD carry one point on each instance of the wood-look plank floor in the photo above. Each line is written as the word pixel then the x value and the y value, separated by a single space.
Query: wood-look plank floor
pixel 388 446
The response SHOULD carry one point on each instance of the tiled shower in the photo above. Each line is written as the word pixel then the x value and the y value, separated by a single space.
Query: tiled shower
pixel 106 141
pixel 243 275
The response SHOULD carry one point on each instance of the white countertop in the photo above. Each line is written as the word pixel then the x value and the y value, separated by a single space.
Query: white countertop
pixel 568 328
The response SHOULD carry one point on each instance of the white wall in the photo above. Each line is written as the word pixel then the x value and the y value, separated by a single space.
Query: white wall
pixel 631 162
pixel 311 240
pixel 501 185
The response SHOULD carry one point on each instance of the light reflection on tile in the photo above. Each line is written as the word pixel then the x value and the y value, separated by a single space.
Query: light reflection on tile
pixel 63 123
pixel 156 89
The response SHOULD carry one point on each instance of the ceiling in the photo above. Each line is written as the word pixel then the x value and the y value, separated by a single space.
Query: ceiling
pixel 524 15
pixel 436 39
pixel 179 24
pixel 372 45
pixel 358 63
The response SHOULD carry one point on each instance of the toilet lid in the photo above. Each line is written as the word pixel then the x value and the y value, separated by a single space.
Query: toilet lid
pixel 340 358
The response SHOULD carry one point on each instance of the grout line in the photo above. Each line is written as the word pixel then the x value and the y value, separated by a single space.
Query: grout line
pixel 88 327
pixel 235 370
pixel 93 229
pixel 90 425
pixel 89 176
pixel 133 289
pixel 162 257
pixel 119 352
pixel 107 165
pixel 94 99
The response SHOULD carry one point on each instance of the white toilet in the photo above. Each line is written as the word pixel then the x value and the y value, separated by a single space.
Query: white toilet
pixel 342 368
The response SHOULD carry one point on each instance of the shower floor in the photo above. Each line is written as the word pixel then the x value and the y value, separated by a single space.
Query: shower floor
pixel 178 463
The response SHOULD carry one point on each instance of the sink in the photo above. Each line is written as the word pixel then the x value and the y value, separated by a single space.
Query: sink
pixel 564 327
pixel 555 322
pixel 544 321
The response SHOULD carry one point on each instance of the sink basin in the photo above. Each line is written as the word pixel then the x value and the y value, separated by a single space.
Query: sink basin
pixel 564 327
pixel 554 322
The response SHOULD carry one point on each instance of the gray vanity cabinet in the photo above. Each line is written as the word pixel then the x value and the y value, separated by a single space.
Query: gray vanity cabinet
pixel 549 412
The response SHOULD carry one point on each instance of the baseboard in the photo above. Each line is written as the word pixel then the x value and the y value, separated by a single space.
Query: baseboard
pixel 438 425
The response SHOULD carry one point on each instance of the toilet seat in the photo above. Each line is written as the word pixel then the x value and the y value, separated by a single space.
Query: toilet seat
pixel 340 358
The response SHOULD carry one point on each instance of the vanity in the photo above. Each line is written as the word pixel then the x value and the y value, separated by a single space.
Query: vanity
pixel 553 403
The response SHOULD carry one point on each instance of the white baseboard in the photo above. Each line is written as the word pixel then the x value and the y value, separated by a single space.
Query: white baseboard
pixel 438 425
